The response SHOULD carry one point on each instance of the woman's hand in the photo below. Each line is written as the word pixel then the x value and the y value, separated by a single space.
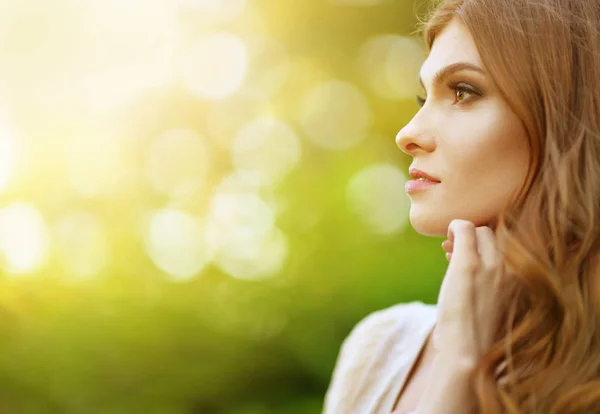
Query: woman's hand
pixel 468 314
pixel 469 299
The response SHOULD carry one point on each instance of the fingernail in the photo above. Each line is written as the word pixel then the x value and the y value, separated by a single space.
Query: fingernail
pixel 447 246
pixel 448 256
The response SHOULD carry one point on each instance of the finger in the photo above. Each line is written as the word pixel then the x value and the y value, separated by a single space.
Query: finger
pixel 448 256
pixel 448 246
pixel 492 260
pixel 461 270
pixel 487 247
pixel 488 284
pixel 463 235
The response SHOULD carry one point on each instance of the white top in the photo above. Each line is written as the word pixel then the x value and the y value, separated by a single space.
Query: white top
pixel 376 357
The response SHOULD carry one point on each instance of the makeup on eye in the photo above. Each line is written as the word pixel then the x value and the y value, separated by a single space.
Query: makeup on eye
pixel 457 87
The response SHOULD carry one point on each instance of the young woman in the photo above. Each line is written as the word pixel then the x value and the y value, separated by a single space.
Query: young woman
pixel 506 164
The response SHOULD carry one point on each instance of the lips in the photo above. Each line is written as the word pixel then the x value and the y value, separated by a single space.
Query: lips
pixel 416 174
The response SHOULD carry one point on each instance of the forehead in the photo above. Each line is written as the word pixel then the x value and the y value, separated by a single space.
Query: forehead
pixel 453 44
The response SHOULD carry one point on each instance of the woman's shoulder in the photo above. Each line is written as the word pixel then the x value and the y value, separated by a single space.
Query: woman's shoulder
pixel 397 319
pixel 368 351
pixel 393 325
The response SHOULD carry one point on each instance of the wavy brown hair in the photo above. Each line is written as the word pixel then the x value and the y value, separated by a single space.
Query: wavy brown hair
pixel 544 56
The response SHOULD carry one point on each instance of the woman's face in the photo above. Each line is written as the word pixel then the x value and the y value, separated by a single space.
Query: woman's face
pixel 465 136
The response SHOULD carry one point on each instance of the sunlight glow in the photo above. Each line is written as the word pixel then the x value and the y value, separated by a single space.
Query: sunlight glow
pixel 24 238
pixel 390 64
pixel 95 164
pixel 241 230
pixel 215 11
pixel 87 54
pixel 376 194
pixel 215 67
pixel 269 66
pixel 335 115
pixel 267 148
pixel 82 244
pixel 8 152
pixel 176 244
pixel 177 162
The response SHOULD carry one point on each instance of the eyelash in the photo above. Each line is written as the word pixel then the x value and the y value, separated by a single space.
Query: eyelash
pixel 456 87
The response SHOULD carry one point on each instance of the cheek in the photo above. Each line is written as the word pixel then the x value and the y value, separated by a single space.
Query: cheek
pixel 493 148
pixel 486 164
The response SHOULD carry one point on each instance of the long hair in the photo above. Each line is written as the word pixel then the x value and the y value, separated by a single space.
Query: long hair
pixel 544 56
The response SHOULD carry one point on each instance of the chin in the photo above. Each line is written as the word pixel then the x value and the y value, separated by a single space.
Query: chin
pixel 429 224
pixel 436 223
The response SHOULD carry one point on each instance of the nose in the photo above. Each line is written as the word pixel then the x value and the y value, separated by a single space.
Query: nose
pixel 415 137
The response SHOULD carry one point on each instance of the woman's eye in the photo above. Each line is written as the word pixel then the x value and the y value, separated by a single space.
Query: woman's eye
pixel 461 92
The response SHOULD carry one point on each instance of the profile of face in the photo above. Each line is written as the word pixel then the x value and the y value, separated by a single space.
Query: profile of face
pixel 465 136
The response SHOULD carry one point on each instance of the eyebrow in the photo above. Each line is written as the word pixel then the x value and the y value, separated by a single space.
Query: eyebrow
pixel 450 69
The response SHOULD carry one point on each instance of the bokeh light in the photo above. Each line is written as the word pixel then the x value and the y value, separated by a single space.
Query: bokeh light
pixel 82 244
pixel 390 65
pixel 87 54
pixel 198 192
pixel 376 194
pixel 95 163
pixel 263 258
pixel 24 238
pixel 239 182
pixel 236 218
pixel 335 115
pixel 225 118
pixel 177 162
pixel 215 66
pixel 215 11
pixel 8 151
pixel 175 241
pixel 266 148
pixel 269 67
pixel 241 230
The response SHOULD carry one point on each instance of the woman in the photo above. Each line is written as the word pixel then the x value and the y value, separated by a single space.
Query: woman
pixel 506 150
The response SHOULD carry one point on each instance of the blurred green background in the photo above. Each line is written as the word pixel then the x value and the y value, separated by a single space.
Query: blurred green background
pixel 200 198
